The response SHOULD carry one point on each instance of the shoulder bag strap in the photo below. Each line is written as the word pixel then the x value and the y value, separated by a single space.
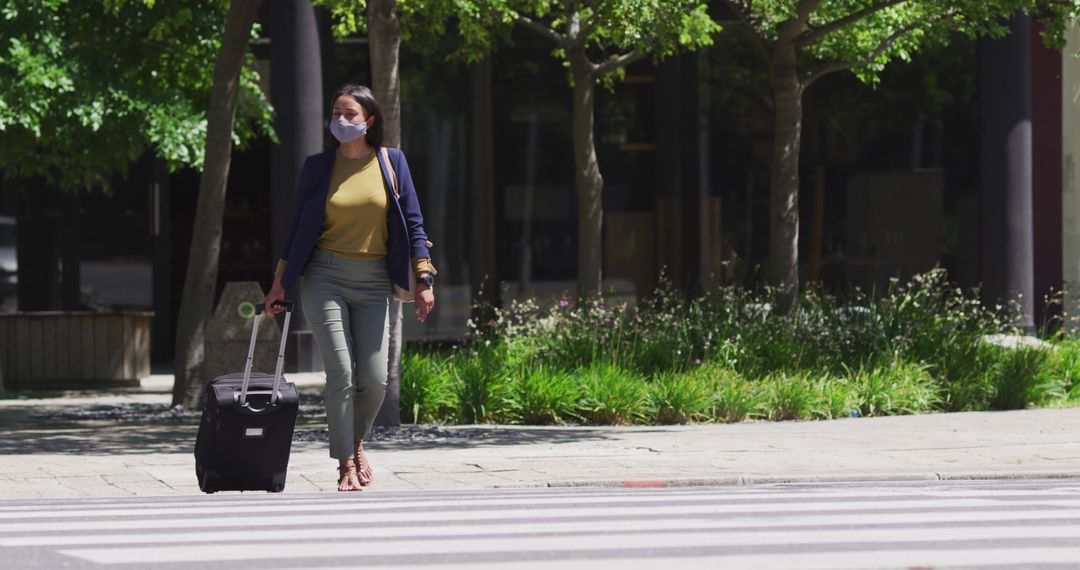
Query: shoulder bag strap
pixel 393 175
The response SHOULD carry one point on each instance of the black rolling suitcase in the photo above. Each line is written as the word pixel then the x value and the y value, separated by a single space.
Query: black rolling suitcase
pixel 247 426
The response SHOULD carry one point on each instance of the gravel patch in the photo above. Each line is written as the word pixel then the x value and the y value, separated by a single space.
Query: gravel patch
pixel 150 413
pixel 137 413
pixel 403 433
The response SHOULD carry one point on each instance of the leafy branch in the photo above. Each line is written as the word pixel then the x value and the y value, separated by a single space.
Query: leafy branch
pixel 533 25
pixel 617 63
pixel 831 67
pixel 812 35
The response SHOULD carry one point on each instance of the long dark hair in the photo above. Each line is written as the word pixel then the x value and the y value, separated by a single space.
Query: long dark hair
pixel 367 100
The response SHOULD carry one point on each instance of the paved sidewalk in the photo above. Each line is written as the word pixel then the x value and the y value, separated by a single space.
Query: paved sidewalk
pixel 73 458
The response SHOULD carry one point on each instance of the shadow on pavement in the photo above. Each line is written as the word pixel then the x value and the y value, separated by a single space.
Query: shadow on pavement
pixel 136 429
pixel 405 438
pixel 86 438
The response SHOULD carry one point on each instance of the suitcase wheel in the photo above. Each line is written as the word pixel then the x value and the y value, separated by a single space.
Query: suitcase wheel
pixel 208 482
pixel 277 484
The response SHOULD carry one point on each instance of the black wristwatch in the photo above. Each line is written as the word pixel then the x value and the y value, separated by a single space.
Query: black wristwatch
pixel 427 279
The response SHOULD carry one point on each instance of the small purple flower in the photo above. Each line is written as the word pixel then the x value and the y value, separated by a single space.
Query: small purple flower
pixel 697 361
pixel 563 303
pixel 614 325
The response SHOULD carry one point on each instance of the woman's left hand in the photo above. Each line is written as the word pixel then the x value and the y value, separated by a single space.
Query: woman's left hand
pixel 425 302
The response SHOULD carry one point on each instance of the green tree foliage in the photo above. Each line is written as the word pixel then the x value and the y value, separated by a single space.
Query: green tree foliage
pixel 865 35
pixel 608 28
pixel 88 87
pixel 807 39
pixel 423 22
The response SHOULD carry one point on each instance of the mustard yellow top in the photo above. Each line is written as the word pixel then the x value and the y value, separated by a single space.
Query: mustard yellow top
pixel 356 207
pixel 356 202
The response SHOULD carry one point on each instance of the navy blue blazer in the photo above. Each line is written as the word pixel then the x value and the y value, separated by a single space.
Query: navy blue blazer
pixel 406 236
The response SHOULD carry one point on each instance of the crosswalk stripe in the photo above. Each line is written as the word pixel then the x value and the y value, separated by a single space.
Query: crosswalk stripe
pixel 259 516
pixel 379 532
pixel 789 527
pixel 373 495
pixel 787 561
pixel 280 506
pixel 361 504
pixel 636 541
pixel 68 506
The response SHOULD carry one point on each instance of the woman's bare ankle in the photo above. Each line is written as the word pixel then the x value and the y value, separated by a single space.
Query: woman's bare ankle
pixel 363 467
pixel 348 478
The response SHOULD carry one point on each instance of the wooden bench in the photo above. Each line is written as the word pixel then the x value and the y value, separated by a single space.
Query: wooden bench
pixel 58 350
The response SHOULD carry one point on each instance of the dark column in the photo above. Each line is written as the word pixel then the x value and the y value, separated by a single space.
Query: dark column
pixel 670 252
pixel 38 247
pixel 1047 173
pixel 296 92
pixel 1007 250
pixel 70 253
pixel 483 279
pixel 690 187
pixel 163 326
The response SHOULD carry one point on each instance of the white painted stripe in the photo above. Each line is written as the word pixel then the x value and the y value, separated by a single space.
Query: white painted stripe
pixel 364 532
pixel 376 495
pixel 545 495
pixel 357 501
pixel 426 515
pixel 647 523
pixel 637 540
pixel 793 561
pixel 574 502
pixel 385 498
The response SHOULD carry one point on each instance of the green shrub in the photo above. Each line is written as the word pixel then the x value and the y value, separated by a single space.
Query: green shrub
pixel 837 397
pixel 483 389
pixel 678 399
pixel 1064 365
pixel 427 390
pixel 728 356
pixel 547 397
pixel 789 397
pixel 894 388
pixel 733 398
pixel 613 396
pixel 1015 376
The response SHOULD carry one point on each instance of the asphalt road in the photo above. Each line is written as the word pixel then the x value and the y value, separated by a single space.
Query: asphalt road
pixel 881 525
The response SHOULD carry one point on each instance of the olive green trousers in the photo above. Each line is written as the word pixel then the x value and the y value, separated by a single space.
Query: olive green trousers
pixel 346 302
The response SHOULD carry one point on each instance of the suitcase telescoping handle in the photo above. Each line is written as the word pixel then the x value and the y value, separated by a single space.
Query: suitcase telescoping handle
pixel 281 351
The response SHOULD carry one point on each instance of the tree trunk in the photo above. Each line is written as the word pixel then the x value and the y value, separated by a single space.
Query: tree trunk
pixel 197 302
pixel 587 178
pixel 783 271
pixel 384 43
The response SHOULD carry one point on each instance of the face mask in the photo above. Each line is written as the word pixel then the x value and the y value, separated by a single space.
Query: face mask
pixel 346 131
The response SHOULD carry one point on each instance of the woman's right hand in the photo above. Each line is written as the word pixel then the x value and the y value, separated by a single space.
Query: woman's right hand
pixel 276 294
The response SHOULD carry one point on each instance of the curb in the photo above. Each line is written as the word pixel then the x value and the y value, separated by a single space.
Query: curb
pixel 746 480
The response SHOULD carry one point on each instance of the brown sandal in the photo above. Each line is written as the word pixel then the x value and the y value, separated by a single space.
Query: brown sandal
pixel 364 472
pixel 347 472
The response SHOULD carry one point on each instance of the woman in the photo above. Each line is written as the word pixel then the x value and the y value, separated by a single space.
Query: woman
pixel 354 232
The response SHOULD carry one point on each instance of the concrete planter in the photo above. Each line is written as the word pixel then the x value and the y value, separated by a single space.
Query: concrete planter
pixel 54 350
